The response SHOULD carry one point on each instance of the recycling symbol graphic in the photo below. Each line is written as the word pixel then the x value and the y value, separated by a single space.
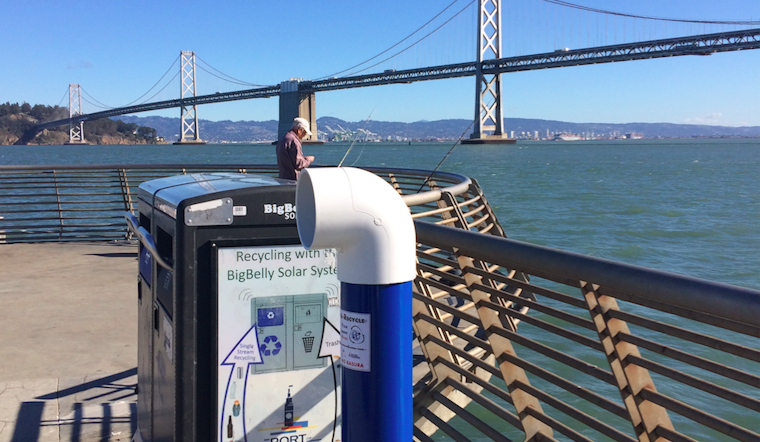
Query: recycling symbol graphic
pixel 271 346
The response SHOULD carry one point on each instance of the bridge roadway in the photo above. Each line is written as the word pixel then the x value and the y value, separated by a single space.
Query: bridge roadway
pixel 705 44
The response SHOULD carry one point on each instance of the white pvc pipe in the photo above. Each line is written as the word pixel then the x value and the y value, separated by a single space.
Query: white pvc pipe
pixel 362 216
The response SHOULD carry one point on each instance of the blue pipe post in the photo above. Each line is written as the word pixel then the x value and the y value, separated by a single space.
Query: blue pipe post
pixel 367 222
pixel 377 404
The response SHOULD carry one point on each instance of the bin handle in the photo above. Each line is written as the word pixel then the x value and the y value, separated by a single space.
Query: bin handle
pixel 145 238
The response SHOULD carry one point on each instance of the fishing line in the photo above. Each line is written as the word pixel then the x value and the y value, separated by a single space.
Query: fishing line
pixel 354 142
pixel 357 158
pixel 445 156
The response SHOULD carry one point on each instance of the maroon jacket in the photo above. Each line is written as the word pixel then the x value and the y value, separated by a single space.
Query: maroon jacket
pixel 290 159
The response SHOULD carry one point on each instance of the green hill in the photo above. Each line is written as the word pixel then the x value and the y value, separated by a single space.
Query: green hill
pixel 15 119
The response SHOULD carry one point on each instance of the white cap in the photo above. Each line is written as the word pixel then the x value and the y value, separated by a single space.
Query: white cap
pixel 301 123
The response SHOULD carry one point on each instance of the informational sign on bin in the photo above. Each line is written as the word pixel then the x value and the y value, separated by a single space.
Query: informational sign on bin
pixel 278 344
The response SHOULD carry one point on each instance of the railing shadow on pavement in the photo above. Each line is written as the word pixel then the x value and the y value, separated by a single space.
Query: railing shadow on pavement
pixel 102 409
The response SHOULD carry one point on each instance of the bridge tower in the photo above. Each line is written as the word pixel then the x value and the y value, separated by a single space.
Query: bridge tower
pixel 295 104
pixel 489 115
pixel 76 130
pixel 188 114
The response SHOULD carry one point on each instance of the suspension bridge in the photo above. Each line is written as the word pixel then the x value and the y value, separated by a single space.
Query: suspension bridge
pixel 297 96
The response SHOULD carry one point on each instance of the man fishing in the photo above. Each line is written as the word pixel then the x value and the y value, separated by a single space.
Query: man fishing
pixel 290 158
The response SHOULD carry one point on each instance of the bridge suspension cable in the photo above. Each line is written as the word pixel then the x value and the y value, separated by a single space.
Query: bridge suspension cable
pixel 399 42
pixel 162 89
pixel 416 42
pixel 646 17
pixel 99 104
pixel 65 94
pixel 107 107
pixel 229 79
pixel 155 84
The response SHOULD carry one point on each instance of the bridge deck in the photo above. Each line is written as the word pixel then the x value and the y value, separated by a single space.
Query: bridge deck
pixel 69 352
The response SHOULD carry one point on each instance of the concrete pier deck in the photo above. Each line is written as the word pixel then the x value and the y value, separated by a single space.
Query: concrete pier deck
pixel 68 346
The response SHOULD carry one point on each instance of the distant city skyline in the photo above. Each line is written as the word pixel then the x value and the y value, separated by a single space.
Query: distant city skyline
pixel 118 52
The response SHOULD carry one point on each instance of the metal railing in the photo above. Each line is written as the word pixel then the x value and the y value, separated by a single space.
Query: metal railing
pixel 608 351
pixel 605 351
pixel 87 203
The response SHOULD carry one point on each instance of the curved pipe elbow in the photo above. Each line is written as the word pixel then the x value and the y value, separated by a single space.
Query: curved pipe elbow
pixel 362 216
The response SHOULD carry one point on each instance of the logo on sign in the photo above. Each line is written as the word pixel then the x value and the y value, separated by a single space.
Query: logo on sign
pixel 287 209
pixel 271 346
pixel 270 316
pixel 356 336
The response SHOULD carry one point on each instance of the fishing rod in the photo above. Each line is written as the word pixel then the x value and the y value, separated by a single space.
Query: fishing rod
pixel 445 156
pixel 354 142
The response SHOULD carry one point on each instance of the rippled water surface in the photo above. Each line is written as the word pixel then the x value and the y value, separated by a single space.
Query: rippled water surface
pixel 688 206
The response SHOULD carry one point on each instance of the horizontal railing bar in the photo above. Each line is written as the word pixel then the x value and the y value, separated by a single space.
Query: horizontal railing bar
pixel 443 426
pixel 61 183
pixel 708 387
pixel 543 308
pixel 469 417
pixel 552 294
pixel 65 226
pixel 431 212
pixel 706 419
pixel 477 222
pixel 557 425
pixel 692 360
pixel 716 299
pixel 491 388
pixel 436 258
pixel 456 279
pixel 706 318
pixel 15 220
pixel 564 358
pixel 67 209
pixel 570 387
pixel 468 202
pixel 447 308
pixel 487 228
pixel 464 355
pixel 446 221
pixel 477 342
pixel 51 238
pixel 446 288
pixel 128 167
pixel 574 413
pixel 671 435
pixel 544 325
pixel 697 338
pixel 54 202
pixel 484 402
pixel 422 437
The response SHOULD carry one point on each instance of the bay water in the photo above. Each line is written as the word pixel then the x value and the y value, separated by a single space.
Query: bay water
pixel 684 206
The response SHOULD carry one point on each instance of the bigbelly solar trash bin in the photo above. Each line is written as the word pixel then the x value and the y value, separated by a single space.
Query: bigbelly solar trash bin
pixel 238 323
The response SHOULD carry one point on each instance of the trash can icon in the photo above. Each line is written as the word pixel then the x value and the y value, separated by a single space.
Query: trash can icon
pixel 308 342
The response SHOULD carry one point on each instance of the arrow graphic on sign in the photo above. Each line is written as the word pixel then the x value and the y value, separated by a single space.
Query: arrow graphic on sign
pixel 329 347
pixel 330 344
pixel 244 354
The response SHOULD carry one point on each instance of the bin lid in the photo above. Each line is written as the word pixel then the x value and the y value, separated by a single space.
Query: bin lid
pixel 178 188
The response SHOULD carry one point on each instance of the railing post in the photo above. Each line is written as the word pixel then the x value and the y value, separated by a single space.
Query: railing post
pixel 500 345
pixel 126 197
pixel 646 416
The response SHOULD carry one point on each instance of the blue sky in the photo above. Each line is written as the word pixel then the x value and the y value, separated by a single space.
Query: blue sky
pixel 118 50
